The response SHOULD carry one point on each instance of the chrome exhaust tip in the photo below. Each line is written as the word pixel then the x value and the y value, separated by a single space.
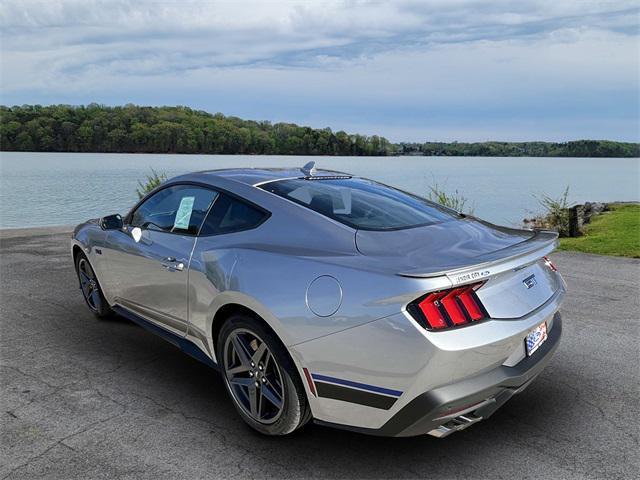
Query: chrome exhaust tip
pixel 454 425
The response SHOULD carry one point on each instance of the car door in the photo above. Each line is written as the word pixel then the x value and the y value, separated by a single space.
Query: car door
pixel 148 260
pixel 215 256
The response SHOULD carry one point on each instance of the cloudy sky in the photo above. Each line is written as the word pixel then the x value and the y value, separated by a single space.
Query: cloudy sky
pixel 409 70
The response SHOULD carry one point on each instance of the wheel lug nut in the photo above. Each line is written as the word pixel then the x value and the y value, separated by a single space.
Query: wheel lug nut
pixel 260 367
pixel 258 384
pixel 253 364
pixel 264 380
pixel 251 374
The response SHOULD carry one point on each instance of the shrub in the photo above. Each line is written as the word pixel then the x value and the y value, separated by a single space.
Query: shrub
pixel 456 201
pixel 556 212
pixel 151 182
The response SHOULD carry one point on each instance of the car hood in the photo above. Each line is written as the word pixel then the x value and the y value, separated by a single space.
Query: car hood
pixel 455 244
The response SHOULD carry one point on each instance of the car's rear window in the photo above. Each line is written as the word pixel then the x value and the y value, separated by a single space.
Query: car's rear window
pixel 360 203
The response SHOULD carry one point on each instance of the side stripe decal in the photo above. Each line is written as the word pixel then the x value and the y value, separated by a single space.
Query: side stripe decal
pixel 355 392
pixel 351 395
pixel 362 386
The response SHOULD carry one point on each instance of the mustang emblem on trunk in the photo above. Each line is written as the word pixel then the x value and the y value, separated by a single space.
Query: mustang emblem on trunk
pixel 530 281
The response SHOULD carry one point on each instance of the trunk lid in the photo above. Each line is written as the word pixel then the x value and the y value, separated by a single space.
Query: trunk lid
pixel 470 250
pixel 435 249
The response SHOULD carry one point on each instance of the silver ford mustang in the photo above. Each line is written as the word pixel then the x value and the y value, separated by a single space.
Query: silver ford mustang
pixel 320 295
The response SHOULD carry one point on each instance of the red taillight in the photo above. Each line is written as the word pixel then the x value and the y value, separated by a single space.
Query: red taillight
pixel 449 308
pixel 450 304
pixel 430 308
pixel 468 299
pixel 550 264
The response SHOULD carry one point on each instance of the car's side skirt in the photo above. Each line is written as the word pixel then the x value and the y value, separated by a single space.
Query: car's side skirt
pixel 181 342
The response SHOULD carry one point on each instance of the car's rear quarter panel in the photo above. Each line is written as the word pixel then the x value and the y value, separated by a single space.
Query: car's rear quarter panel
pixel 274 285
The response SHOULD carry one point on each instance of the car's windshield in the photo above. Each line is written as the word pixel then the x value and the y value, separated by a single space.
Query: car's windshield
pixel 361 203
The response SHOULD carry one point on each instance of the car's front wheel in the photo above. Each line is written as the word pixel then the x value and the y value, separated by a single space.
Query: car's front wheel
pixel 261 377
pixel 90 287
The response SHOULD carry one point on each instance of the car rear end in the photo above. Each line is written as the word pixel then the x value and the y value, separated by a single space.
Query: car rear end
pixel 450 358
pixel 467 314
pixel 489 338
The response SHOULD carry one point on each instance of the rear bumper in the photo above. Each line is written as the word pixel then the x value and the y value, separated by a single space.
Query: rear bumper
pixel 449 408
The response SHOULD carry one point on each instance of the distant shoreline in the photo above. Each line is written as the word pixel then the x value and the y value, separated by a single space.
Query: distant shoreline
pixel 396 155
pixel 180 130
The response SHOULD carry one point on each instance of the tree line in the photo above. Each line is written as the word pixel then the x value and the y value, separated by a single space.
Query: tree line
pixel 578 148
pixel 136 129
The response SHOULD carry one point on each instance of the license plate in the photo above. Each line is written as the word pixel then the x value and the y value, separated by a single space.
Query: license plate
pixel 535 338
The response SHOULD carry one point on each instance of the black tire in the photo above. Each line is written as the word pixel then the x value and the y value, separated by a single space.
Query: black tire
pixel 294 411
pixel 90 287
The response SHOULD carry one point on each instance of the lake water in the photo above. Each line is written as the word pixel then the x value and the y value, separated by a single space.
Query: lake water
pixel 40 189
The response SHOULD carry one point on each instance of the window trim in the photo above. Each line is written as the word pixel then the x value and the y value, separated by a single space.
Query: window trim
pixel 455 215
pixel 218 190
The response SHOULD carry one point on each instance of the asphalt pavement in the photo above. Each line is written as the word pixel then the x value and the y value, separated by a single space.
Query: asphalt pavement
pixel 84 398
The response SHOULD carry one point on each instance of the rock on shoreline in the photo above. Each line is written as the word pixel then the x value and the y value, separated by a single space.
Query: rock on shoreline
pixel 569 222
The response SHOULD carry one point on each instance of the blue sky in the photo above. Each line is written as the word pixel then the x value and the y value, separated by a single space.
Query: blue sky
pixel 409 70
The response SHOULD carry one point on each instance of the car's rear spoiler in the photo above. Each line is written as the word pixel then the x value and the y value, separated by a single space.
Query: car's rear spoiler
pixel 537 246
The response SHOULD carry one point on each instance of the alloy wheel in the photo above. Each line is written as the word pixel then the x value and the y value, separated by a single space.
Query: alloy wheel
pixel 89 285
pixel 254 376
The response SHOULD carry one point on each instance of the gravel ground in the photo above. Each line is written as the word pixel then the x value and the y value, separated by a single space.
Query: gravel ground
pixel 84 398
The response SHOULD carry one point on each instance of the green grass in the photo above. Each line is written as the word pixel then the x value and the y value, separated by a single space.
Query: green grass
pixel 616 232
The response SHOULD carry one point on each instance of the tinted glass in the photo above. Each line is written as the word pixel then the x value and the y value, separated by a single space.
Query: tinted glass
pixel 178 209
pixel 231 215
pixel 361 203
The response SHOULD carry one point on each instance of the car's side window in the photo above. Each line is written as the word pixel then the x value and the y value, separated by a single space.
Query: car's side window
pixel 229 214
pixel 178 209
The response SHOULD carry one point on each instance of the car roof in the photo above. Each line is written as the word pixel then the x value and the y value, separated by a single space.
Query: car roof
pixel 254 176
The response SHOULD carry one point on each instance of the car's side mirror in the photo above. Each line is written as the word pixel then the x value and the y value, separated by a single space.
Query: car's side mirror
pixel 111 222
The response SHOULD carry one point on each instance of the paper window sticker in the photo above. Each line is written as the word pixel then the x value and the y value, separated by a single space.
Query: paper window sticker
pixel 183 215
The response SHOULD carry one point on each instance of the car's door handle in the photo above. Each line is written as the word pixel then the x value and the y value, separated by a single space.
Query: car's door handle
pixel 173 267
pixel 170 259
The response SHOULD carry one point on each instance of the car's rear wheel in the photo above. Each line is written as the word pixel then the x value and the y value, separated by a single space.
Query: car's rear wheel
pixel 261 377
pixel 90 287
